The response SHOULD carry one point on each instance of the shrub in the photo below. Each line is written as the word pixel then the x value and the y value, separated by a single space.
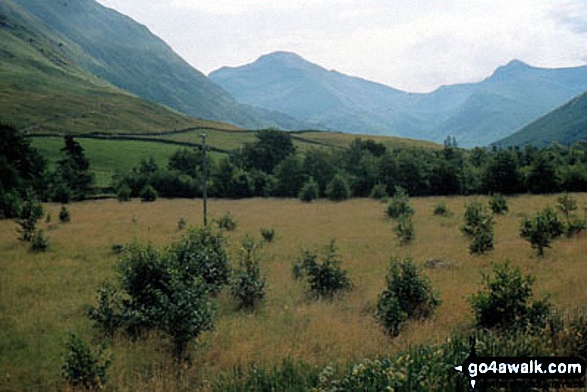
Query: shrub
pixel 482 236
pixel 268 234
pixel 10 205
pixel 474 215
pixel 181 224
pixel 30 212
pixel 226 222
pixel 498 203
pixel 39 242
pixel 148 194
pixel 338 189
pixel 407 296
pixel 505 302
pixel 574 225
pixel 379 192
pixel 84 367
pixel 542 229
pixel 310 191
pixel 399 204
pixel 441 209
pixel 64 215
pixel 327 278
pixel 405 229
pixel 108 316
pixel 247 286
pixel 48 218
pixel 123 193
pixel 202 252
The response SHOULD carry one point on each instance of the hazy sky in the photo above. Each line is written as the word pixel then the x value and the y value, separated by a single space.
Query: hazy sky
pixel 414 45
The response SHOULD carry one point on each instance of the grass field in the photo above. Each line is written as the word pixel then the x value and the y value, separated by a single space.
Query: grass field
pixel 42 296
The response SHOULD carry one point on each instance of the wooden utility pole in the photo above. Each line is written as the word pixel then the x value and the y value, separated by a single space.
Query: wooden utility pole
pixel 205 170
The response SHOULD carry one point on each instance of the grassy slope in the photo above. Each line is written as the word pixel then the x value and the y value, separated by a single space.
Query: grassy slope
pixel 42 91
pixel 566 125
pixel 44 295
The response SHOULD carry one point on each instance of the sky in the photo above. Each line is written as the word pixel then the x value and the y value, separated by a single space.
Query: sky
pixel 413 45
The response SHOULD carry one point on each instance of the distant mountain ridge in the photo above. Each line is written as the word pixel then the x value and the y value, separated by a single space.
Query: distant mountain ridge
pixel 475 113
pixel 125 53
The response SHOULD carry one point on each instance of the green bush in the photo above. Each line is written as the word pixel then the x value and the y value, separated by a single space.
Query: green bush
pixel 408 295
pixel 474 215
pixel 181 224
pixel 325 279
pixel 542 229
pixel 505 301
pixel 482 241
pixel 39 242
pixel 338 189
pixel 10 205
pixel 441 209
pixel 148 194
pixel 498 203
pixel 30 212
pixel 405 229
pixel 573 224
pixel 84 367
pixel 48 218
pixel 399 204
pixel 268 234
pixel 64 215
pixel 108 316
pixel 123 193
pixel 379 192
pixel 310 191
pixel 247 285
pixel 226 222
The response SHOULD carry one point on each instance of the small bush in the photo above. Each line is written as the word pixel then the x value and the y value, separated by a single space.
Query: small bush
pixel 407 296
pixel 505 302
pixel 247 286
pixel 64 215
pixel 338 189
pixel 310 191
pixel 399 204
pixel 268 234
pixel 84 367
pixel 482 236
pixel 542 229
pixel 379 192
pixel 227 222
pixel 405 229
pixel 148 194
pixel 474 215
pixel 441 209
pixel 108 315
pixel 181 224
pixel 48 218
pixel 573 224
pixel 498 204
pixel 30 212
pixel 327 278
pixel 39 242
pixel 10 205
pixel 123 193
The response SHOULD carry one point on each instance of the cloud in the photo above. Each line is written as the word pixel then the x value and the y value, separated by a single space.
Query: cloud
pixel 414 45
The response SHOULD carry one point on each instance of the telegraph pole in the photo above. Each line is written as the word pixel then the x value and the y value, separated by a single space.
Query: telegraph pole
pixel 205 170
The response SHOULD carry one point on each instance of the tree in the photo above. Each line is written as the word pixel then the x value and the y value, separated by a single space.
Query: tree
pixel 74 169
pixel 309 191
pixel 399 204
pixel 338 189
pixel 289 176
pixel 542 229
pixel 248 286
pixel 501 174
pixel 268 151
pixel 543 177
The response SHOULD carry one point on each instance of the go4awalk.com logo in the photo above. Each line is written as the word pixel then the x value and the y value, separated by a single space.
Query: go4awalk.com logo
pixel 536 371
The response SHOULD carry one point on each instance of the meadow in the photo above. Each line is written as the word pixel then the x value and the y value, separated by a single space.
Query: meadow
pixel 45 295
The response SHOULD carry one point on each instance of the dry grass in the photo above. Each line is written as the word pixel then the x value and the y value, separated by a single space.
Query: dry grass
pixel 44 295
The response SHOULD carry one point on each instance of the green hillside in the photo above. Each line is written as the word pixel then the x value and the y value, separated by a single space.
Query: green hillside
pixel 41 90
pixel 566 125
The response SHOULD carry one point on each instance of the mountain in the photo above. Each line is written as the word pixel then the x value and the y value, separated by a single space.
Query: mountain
pixel 475 113
pixel 125 53
pixel 566 125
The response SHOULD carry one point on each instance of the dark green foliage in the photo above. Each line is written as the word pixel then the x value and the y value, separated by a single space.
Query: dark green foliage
pixel 498 203
pixel 74 169
pixel 501 175
pixel 48 218
pixel 39 242
pixel 441 209
pixel 542 177
pixel 108 316
pixel 408 295
pixel 148 194
pixel 202 252
pixel 227 222
pixel 567 206
pixel 404 229
pixel 268 234
pixel 379 192
pixel 474 214
pixel 10 205
pixel 325 279
pixel 505 301
pixel 289 176
pixel 321 165
pixel 540 230
pixel 123 193
pixel 84 367
pixel 399 204
pixel 268 151
pixel 482 241
pixel 181 224
pixel 247 285
pixel 64 215
pixel 309 191
pixel 338 189
pixel 30 212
